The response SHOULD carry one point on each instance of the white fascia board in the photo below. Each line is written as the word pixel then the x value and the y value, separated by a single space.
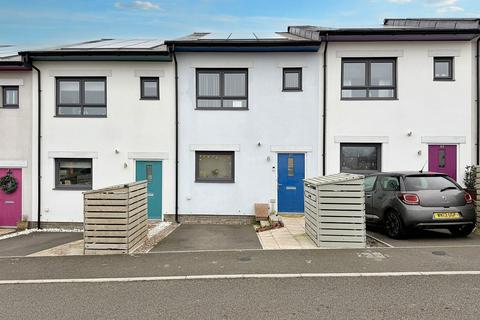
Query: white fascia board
pixel 444 53
pixel 80 73
pixel 149 73
pixel 73 154
pixel 148 155
pixel 291 148
pixel 13 163
pixel 369 53
pixel 361 139
pixel 444 139
pixel 215 147
pixel 11 82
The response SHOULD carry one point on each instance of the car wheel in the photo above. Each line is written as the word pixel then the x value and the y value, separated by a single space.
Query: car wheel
pixel 394 225
pixel 461 231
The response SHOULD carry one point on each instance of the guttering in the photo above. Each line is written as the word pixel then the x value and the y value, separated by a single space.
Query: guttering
pixel 324 136
pixel 176 131
pixel 478 103
pixel 39 146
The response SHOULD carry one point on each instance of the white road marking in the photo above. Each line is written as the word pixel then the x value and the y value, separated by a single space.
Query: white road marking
pixel 243 276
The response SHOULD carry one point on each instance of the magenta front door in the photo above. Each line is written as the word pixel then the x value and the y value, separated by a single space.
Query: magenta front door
pixel 443 159
pixel 11 204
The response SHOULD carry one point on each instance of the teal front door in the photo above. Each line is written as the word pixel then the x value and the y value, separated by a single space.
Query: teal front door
pixel 152 172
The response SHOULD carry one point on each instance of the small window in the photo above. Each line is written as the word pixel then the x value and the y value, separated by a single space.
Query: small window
pixel 443 69
pixel 369 79
pixel 149 89
pixel 222 89
pixel 10 97
pixel 214 166
pixel 81 97
pixel 292 79
pixel 291 166
pixel 361 158
pixel 73 174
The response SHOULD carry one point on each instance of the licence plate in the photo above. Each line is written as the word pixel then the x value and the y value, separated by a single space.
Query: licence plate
pixel 446 215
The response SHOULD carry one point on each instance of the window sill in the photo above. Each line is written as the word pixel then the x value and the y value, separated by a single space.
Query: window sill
pixel 369 99
pixel 60 116
pixel 214 181
pixel 443 80
pixel 226 109
pixel 72 188
pixel 150 99
pixel 292 90
pixel 10 107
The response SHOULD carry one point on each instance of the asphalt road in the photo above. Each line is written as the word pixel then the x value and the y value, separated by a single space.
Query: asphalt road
pixel 242 262
pixel 36 241
pixel 209 237
pixel 427 238
pixel 417 297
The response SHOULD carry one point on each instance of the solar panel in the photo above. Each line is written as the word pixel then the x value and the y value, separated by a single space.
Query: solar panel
pixel 216 36
pixel 268 35
pixel 242 36
pixel 147 44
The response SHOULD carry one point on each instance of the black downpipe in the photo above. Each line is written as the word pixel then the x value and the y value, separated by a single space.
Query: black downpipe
pixel 478 102
pixel 176 133
pixel 39 145
pixel 324 147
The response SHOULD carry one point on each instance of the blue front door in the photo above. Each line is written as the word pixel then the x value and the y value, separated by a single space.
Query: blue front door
pixel 152 172
pixel 291 172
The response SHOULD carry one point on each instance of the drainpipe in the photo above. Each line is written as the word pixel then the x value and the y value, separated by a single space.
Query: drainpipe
pixel 478 102
pixel 176 132
pixel 324 147
pixel 39 146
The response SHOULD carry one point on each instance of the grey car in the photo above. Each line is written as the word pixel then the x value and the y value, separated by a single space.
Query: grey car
pixel 402 201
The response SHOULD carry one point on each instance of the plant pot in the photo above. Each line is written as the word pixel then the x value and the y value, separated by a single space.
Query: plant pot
pixel 22 225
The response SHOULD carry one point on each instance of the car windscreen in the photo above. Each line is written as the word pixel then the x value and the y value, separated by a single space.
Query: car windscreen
pixel 418 183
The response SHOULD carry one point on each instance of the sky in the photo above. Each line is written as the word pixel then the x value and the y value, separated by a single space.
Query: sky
pixel 31 24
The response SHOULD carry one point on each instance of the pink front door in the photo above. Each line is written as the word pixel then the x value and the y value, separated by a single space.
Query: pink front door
pixel 443 159
pixel 11 204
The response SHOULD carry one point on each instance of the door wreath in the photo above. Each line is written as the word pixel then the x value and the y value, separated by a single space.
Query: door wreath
pixel 8 183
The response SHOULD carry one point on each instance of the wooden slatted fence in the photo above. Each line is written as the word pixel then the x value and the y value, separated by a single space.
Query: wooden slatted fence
pixel 115 219
pixel 335 211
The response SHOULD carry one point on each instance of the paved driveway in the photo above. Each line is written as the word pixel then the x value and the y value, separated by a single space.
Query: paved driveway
pixel 36 241
pixel 191 237
pixel 427 238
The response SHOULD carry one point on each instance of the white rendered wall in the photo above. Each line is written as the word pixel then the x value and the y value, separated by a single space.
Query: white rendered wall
pixel 142 129
pixel 16 133
pixel 439 109
pixel 280 121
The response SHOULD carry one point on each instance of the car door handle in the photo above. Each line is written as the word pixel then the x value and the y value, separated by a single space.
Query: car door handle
pixel 368 196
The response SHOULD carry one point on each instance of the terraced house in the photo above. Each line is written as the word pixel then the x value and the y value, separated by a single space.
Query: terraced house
pixel 250 115
pixel 16 135
pixel 106 117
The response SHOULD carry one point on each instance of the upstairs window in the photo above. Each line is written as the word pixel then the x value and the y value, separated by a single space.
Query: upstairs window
pixel 292 79
pixel 369 79
pixel 222 89
pixel 443 69
pixel 149 88
pixel 81 97
pixel 10 97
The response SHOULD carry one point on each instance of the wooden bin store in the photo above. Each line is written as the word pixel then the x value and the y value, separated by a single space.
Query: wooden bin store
pixel 335 211
pixel 115 219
